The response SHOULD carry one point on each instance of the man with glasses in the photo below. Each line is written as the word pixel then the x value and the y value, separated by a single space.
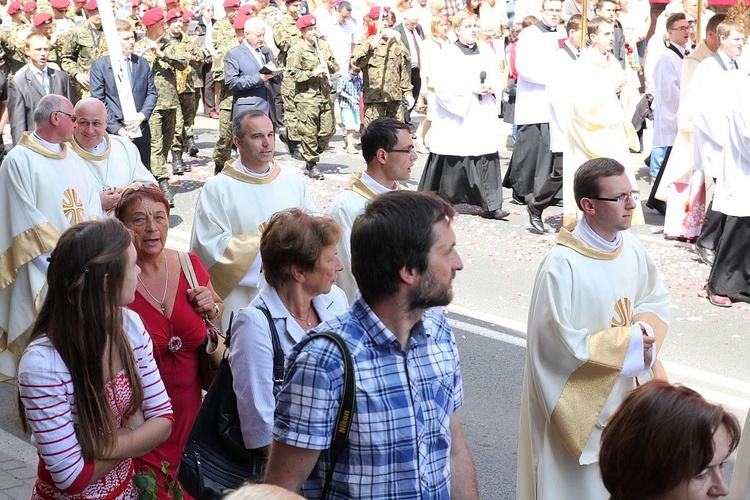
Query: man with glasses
pixel 599 315
pixel 388 150
pixel 44 190
pixel 32 82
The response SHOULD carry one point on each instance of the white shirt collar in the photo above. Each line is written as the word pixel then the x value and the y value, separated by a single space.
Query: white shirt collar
pixel 254 173
pixel 99 148
pixel 584 232
pixel 375 185
pixel 56 148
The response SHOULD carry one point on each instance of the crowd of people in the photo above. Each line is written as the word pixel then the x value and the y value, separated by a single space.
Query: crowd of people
pixel 105 328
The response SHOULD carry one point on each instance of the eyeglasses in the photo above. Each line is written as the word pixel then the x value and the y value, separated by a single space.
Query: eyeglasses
pixel 620 199
pixel 410 150
pixel 553 11
pixel 683 28
pixel 73 118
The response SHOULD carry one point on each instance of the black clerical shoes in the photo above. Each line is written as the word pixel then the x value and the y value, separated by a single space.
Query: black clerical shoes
pixel 706 255
pixel 498 214
pixel 535 219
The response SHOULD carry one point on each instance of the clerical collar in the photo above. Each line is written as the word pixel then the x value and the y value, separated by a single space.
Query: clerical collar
pixel 468 51
pixel 584 232
pixel 375 185
pixel 255 174
pixel 100 148
pixel 56 148
pixel 543 27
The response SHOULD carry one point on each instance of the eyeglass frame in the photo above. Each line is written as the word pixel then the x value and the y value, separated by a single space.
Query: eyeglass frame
pixel 620 199
pixel 683 28
pixel 409 151
pixel 73 117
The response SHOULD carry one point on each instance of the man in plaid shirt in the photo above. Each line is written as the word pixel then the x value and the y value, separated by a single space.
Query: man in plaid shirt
pixel 405 441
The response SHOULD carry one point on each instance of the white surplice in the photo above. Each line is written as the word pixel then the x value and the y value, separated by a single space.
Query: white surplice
pixel 667 77
pixel 582 358
pixel 733 180
pixel 42 193
pixel 229 215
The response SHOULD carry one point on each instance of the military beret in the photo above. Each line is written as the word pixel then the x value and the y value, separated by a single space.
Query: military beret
pixel 239 22
pixel 375 12
pixel 79 1
pixel 91 5
pixel 187 16
pixel 247 10
pixel 152 16
pixel 231 4
pixel 60 4
pixel 306 21
pixel 15 8
pixel 29 6
pixel 43 18
pixel 292 1
pixel 173 14
pixel 170 2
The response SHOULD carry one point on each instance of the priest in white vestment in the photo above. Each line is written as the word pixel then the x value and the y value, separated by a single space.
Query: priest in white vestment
pixel 43 191
pixel 598 317
pixel 234 206
pixel 112 162
pixel 389 152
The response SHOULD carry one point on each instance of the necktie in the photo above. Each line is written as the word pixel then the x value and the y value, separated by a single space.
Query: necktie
pixel 416 49
pixel 733 64
pixel 45 82
pixel 129 65
pixel 260 56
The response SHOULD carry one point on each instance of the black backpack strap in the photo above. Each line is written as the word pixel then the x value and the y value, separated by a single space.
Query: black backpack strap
pixel 278 353
pixel 228 334
pixel 348 402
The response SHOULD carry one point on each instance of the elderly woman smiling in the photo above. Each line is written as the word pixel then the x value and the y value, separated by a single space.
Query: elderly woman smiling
pixel 300 264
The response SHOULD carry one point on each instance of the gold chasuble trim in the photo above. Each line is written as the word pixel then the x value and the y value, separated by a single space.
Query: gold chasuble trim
pixel 25 247
pixel 236 172
pixel 583 397
pixel 358 186
pixel 233 265
pixel 91 156
pixel 567 239
pixel 27 142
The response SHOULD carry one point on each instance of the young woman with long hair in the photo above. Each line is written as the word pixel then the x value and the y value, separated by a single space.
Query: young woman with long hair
pixel 89 389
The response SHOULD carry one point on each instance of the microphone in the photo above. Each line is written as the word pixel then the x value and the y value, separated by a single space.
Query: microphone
pixel 482 77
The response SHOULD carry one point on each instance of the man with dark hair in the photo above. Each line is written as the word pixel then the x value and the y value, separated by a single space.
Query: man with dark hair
pixel 226 236
pixel 609 10
pixel 408 441
pixel 389 153
pixel 599 314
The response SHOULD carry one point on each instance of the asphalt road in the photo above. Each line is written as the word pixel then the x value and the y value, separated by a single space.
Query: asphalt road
pixel 706 347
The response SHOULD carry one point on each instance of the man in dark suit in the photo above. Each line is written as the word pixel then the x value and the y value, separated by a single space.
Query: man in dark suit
pixel 250 88
pixel 411 36
pixel 104 88
pixel 31 83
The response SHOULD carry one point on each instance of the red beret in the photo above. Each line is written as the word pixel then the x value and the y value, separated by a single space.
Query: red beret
pixel 247 10
pixel 173 14
pixel 187 16
pixel 15 8
pixel 152 16
pixel 44 18
pixel 29 6
pixel 239 22
pixel 79 1
pixel 60 4
pixel 292 1
pixel 375 12
pixel 231 4
pixel 306 21
pixel 91 5
pixel 170 2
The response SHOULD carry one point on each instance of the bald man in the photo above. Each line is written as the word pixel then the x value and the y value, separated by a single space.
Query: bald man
pixel 92 143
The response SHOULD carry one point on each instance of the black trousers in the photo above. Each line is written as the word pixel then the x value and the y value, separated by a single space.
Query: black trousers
pixel 549 193
pixel 416 86
pixel 652 202
pixel 143 143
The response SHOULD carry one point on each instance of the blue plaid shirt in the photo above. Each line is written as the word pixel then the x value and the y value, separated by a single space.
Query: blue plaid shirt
pixel 399 443
pixel 352 87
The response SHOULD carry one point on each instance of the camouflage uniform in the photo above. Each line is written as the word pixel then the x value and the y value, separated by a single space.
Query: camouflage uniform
pixel 162 121
pixel 386 74
pixel 286 35
pixel 312 97
pixel 82 45
pixel 223 147
pixel 12 43
pixel 187 95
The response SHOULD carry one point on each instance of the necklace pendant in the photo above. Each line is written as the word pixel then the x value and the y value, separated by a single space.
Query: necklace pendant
pixel 163 308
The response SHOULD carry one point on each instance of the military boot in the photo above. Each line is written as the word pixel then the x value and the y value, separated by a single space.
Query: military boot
pixel 191 147
pixel 164 186
pixel 178 168
pixel 311 170
pixel 297 151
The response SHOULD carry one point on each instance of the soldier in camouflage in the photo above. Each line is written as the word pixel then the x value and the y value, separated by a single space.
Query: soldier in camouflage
pixel 82 45
pixel 386 69
pixel 165 57
pixel 176 20
pixel 285 36
pixel 309 65
pixel 12 41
